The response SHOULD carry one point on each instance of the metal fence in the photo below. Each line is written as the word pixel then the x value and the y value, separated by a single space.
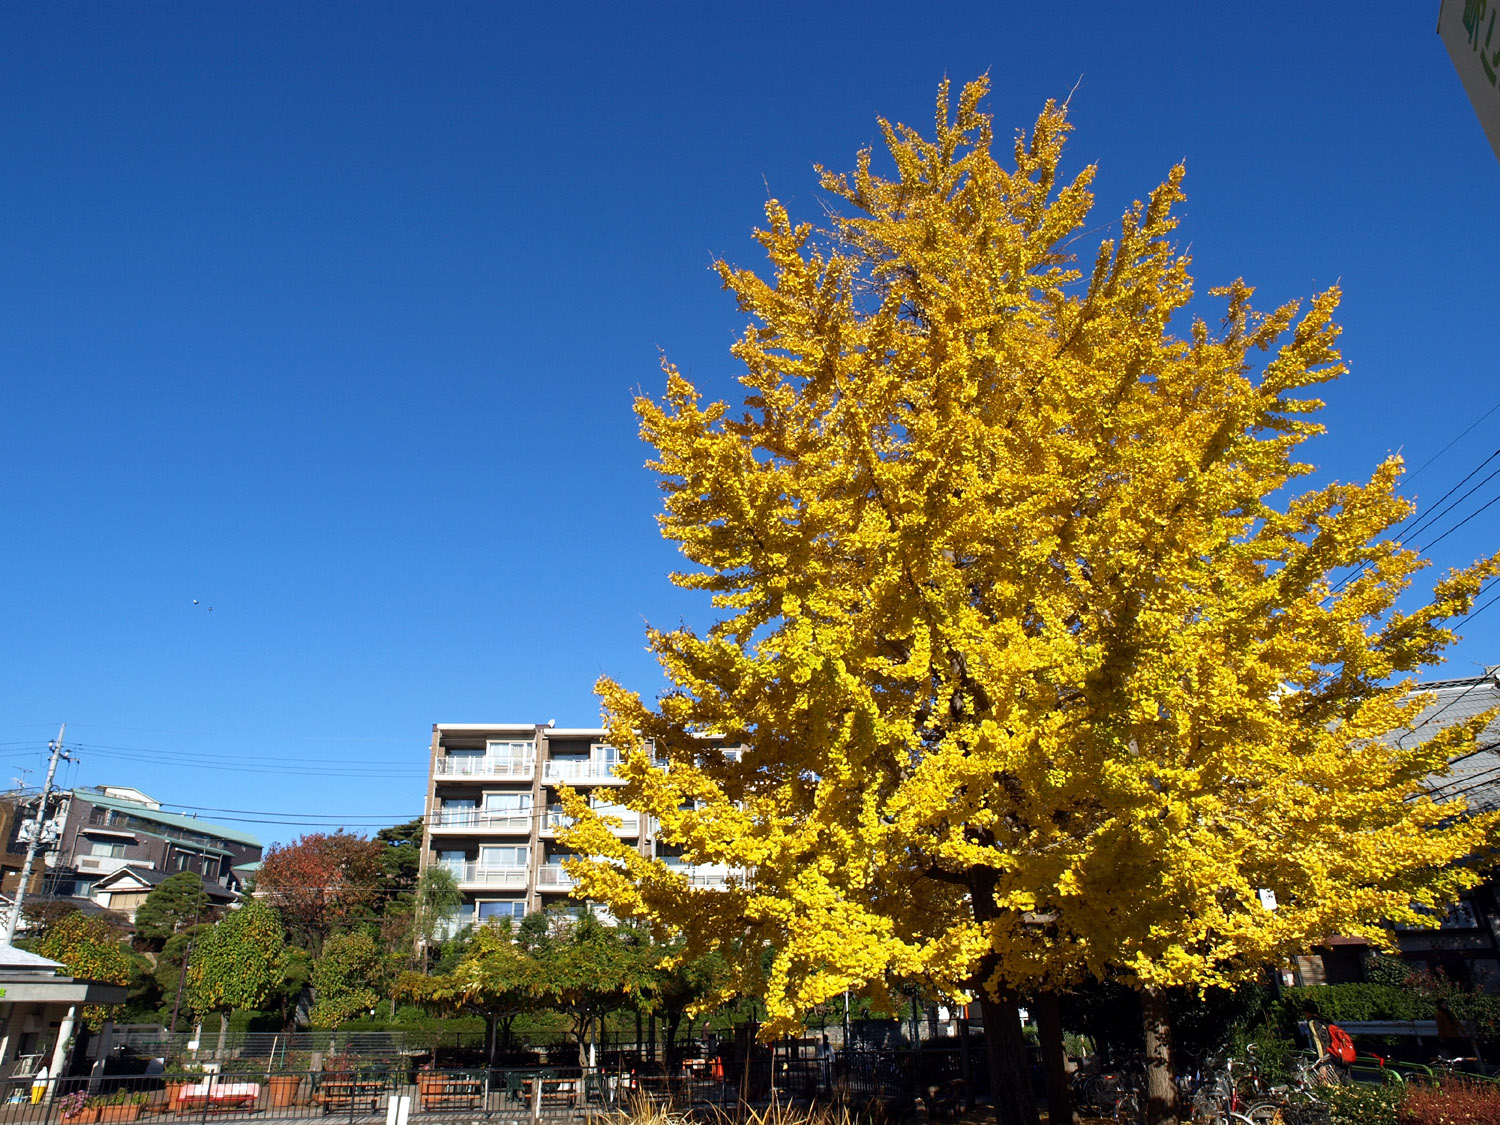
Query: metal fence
pixel 365 1094
pixel 373 1091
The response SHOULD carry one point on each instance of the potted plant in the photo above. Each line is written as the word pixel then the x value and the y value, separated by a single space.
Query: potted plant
pixel 74 1108
pixel 122 1105
pixel 285 1080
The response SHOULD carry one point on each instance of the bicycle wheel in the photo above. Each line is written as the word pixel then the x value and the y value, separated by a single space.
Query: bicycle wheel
pixel 1269 1113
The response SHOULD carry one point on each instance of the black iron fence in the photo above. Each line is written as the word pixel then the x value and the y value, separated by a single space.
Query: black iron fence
pixel 396 1091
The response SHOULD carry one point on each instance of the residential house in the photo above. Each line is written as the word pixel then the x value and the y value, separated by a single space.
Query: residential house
pixel 114 828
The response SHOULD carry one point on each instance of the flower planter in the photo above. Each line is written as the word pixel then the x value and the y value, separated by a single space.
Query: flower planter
pixel 283 1089
pixel 85 1116
pixel 112 1114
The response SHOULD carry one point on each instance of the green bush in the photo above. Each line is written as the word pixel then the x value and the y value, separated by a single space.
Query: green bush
pixel 119 1097
pixel 1362 1105
pixel 1358 1002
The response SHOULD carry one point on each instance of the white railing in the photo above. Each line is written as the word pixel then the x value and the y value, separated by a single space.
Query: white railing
pixel 553 876
pixel 111 863
pixel 478 820
pixel 512 769
pixel 477 875
pixel 585 773
pixel 713 876
pixel 630 823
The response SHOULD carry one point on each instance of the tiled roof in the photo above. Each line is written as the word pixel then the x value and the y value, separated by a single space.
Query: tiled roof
pixel 1476 776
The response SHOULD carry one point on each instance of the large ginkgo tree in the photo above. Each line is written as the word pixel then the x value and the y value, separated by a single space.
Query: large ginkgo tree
pixel 1041 667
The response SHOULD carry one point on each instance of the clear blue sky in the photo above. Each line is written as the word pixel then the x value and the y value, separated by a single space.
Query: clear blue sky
pixel 329 316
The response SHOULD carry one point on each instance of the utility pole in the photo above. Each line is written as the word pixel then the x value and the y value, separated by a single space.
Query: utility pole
pixel 38 840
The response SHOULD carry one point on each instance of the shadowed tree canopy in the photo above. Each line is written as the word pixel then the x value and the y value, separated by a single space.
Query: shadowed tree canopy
pixel 1041 666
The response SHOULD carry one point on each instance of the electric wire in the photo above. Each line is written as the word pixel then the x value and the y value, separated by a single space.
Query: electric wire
pixel 1425 522
pixel 1415 472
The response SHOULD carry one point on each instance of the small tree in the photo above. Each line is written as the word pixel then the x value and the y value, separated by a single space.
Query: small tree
pixel 437 898
pixel 587 969
pixel 345 978
pixel 496 978
pixel 680 986
pixel 88 946
pixel 174 904
pixel 237 963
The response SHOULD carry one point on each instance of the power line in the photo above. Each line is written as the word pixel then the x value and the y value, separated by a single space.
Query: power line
pixel 235 756
pixel 1427 520
pixel 1413 475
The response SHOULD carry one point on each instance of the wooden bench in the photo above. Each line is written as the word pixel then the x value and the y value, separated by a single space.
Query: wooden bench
pixel 450 1092
pixel 350 1094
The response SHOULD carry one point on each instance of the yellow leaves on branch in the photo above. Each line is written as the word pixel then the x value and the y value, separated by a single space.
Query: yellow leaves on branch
pixel 1034 674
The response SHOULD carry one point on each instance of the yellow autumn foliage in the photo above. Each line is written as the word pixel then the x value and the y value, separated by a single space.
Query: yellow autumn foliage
pixel 1039 669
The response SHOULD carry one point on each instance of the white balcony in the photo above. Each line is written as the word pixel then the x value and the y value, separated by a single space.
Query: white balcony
pixel 553 877
pixel 629 827
pixel 474 876
pixel 706 875
pixel 575 772
pixel 484 769
pixel 478 822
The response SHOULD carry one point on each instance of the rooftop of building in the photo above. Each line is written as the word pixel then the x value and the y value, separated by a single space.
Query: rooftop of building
pixel 110 797
pixel 1476 775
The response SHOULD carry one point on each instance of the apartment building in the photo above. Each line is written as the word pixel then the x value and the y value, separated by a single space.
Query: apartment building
pixel 492 814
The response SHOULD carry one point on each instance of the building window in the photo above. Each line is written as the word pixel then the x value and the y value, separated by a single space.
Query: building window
pixel 503 856
pixel 512 751
pixel 114 850
pixel 512 804
pixel 493 911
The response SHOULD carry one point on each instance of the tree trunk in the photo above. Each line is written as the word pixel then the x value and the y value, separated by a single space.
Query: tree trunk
pixel 1060 1110
pixel 1010 1069
pixel 669 1051
pixel 1161 1090
pixel 491 1034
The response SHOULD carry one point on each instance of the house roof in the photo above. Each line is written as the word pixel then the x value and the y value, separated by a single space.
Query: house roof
pixel 175 820
pixel 1476 775
pixel 150 878
pixel 13 958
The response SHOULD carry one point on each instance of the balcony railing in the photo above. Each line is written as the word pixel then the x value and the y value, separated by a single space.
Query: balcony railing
pixel 591 772
pixel 712 876
pixel 553 877
pixel 479 821
pixel 111 863
pixel 476 875
pixel 507 769
pixel 630 823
